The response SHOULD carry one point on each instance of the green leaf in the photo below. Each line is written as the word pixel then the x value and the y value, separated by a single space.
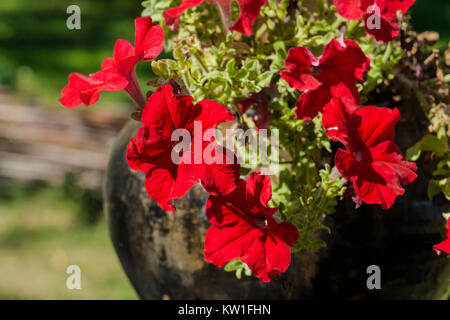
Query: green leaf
pixel 428 143
pixel 413 153
pixel 165 68
pixel 238 266
pixel 264 79
pixel 433 188
pixel 432 143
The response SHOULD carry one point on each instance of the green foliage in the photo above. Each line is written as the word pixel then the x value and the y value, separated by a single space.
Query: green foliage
pixel 437 144
pixel 238 267
pixel 428 143
pixel 155 9
pixel 383 58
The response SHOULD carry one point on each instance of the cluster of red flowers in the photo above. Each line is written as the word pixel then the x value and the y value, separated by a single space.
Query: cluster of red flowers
pixel 243 225
pixel 335 74
pixel 371 160
pixel 380 16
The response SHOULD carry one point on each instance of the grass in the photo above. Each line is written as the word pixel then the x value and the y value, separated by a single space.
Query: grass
pixel 41 236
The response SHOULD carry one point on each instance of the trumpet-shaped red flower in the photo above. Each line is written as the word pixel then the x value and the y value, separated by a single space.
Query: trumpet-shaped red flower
pixel 172 168
pixel 380 16
pixel 249 12
pixel 371 160
pixel 444 246
pixel 243 226
pixel 335 74
pixel 118 72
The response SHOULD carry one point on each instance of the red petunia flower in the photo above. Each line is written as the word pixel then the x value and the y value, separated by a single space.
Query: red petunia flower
pixel 243 226
pixel 85 90
pixel 380 16
pixel 444 246
pixel 335 74
pixel 261 116
pixel 172 170
pixel 371 160
pixel 249 12
pixel 118 72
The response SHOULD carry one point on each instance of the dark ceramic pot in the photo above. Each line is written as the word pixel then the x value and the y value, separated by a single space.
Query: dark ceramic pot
pixel 162 252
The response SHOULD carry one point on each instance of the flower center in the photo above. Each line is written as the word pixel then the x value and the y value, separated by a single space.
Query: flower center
pixel 358 155
pixel 261 222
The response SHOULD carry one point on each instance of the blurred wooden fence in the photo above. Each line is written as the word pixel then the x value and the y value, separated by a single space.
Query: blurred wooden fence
pixel 39 144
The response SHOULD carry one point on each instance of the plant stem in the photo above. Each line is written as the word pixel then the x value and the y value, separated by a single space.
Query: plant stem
pixel 134 90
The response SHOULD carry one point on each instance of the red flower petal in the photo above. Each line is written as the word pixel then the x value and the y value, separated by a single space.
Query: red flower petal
pixel 375 124
pixel 259 188
pixel 78 83
pixel 348 94
pixel 122 50
pixel 85 90
pixel 252 196
pixel 144 147
pixel 249 232
pixel 377 184
pixel 172 16
pixel 165 112
pixel 298 63
pixel 444 246
pixel 342 63
pixel 388 29
pixel 336 118
pixel 123 61
pixel 405 4
pixel 349 9
pixel 334 75
pixel 148 38
pixel 312 102
pixel 249 12
pixel 389 154
pixel 219 178
pixel 159 184
pixel 384 11
pixel 211 113
pixel 111 81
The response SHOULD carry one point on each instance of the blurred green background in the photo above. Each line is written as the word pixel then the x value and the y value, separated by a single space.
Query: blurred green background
pixel 44 228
